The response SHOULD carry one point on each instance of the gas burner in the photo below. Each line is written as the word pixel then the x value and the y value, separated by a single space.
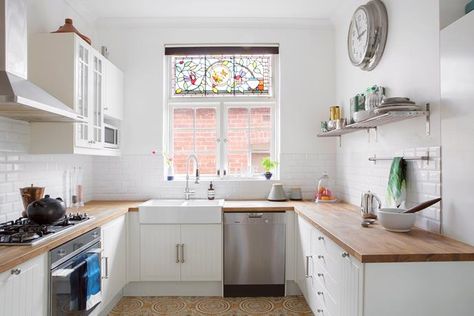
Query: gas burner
pixel 25 232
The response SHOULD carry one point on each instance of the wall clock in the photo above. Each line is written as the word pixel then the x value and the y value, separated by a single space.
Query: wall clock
pixel 367 35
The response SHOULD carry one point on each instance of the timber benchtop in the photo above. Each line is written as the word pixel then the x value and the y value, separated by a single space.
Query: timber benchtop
pixel 339 221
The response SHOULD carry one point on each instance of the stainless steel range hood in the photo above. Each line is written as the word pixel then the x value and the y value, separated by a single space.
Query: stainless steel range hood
pixel 19 98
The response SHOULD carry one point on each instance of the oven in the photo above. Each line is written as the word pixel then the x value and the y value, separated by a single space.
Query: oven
pixel 111 136
pixel 75 276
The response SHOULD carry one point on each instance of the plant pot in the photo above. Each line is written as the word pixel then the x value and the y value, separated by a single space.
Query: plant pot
pixel 170 176
pixel 268 175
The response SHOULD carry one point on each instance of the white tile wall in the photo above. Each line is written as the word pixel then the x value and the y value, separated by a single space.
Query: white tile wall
pixel 355 174
pixel 19 169
pixel 141 177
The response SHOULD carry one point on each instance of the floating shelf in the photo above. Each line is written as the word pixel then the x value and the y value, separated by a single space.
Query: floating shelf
pixel 379 120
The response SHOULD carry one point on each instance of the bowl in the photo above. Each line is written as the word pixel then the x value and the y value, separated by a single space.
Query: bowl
pixel 394 220
pixel 362 116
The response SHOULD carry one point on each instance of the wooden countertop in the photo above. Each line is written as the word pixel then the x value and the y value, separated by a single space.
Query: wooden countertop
pixel 339 221
pixel 101 211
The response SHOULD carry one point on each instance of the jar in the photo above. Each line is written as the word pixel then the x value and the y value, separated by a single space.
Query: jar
pixel 324 193
pixel 334 112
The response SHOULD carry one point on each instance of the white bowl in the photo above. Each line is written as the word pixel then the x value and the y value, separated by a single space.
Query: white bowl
pixel 394 220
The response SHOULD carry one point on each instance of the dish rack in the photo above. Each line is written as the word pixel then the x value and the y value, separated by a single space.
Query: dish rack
pixel 374 122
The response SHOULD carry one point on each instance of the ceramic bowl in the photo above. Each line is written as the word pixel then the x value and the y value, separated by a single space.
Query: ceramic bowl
pixel 394 220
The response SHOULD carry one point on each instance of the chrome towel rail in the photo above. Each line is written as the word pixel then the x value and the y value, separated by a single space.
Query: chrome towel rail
pixel 374 158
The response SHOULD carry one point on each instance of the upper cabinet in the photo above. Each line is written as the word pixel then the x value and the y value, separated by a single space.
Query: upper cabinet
pixel 74 72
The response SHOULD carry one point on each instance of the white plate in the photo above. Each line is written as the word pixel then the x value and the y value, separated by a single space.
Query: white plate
pixel 396 104
pixel 397 108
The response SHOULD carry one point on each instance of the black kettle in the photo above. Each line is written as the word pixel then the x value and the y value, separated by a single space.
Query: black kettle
pixel 46 211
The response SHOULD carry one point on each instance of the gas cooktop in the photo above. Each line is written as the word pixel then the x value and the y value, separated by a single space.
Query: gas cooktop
pixel 23 232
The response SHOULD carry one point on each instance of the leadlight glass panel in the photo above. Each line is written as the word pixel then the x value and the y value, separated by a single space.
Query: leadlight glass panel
pixel 226 75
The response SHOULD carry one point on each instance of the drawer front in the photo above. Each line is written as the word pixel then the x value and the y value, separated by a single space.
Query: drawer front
pixel 324 279
pixel 326 246
pixel 326 301
pixel 329 264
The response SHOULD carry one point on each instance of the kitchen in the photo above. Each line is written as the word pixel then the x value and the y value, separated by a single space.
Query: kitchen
pixel 171 255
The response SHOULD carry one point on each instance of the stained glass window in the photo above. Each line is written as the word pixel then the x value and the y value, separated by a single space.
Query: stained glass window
pixel 222 75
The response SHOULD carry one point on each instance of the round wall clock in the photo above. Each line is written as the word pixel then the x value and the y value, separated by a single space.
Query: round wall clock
pixel 367 35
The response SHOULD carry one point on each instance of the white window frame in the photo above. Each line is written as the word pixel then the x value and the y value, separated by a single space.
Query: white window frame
pixel 222 103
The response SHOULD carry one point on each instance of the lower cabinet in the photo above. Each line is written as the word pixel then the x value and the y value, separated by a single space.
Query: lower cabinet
pixel 24 289
pixel 114 243
pixel 329 278
pixel 181 252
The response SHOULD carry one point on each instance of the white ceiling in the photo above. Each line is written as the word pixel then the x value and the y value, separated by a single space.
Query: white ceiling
pixel 97 9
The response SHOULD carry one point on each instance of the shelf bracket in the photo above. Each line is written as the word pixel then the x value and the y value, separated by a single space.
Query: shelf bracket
pixel 428 119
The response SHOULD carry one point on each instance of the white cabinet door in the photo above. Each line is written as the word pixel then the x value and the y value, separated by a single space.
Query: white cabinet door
pixel 351 279
pixel 24 289
pixel 82 91
pixel 304 260
pixel 114 94
pixel 159 246
pixel 97 101
pixel 114 238
pixel 202 252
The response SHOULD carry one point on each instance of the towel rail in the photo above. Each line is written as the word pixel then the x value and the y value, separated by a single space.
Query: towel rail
pixel 374 158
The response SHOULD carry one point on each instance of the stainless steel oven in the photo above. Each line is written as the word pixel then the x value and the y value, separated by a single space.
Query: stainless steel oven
pixel 75 275
pixel 111 136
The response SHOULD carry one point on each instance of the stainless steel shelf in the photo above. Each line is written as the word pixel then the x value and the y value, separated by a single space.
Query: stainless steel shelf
pixel 383 119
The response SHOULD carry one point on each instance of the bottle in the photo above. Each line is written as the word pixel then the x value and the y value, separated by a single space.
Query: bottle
pixel 211 193
pixel 324 193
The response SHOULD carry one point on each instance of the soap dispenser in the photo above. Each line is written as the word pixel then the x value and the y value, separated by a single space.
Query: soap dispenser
pixel 211 193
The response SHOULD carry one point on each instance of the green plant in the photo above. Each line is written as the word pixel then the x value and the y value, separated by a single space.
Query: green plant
pixel 268 164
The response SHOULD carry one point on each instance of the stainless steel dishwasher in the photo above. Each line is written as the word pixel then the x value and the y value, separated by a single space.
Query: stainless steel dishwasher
pixel 254 254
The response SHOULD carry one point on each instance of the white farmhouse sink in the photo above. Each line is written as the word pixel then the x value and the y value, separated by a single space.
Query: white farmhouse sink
pixel 181 211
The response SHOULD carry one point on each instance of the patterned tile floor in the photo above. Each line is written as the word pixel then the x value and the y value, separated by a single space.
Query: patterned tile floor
pixel 240 306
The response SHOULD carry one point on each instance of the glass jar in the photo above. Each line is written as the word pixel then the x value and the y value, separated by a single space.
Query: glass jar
pixel 324 193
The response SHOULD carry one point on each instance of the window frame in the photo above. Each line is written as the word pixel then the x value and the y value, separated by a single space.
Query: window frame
pixel 222 103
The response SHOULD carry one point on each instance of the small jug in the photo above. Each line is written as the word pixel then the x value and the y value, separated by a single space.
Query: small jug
pixel 369 205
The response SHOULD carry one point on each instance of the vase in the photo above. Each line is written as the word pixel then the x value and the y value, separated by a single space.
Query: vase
pixel 268 175
pixel 170 176
pixel 68 27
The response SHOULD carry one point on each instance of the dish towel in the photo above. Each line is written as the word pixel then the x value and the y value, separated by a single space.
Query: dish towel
pixel 397 184
pixel 93 280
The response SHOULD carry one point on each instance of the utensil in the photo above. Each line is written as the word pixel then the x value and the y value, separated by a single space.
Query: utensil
pixel 369 204
pixel 46 211
pixel 29 195
pixel 422 206
pixel 277 194
pixel 395 220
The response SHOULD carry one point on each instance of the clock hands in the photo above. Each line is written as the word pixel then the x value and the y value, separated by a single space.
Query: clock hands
pixel 357 28
pixel 360 35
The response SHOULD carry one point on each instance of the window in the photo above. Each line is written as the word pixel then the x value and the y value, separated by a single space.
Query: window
pixel 222 108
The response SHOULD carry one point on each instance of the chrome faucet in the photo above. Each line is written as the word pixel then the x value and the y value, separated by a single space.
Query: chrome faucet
pixel 187 191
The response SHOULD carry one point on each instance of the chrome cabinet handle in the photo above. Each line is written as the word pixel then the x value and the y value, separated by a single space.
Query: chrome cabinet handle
pixel 320 293
pixel 307 267
pixel 345 255
pixel 320 238
pixel 177 253
pixel 320 257
pixel 182 253
pixel 321 275
pixel 319 311
pixel 16 271
pixel 106 276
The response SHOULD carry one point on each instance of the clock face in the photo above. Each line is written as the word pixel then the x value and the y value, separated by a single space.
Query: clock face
pixel 358 37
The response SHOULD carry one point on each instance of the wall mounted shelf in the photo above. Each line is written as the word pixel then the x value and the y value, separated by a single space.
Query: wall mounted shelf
pixel 379 120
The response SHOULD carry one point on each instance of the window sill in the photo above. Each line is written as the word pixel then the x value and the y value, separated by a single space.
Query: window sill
pixel 226 179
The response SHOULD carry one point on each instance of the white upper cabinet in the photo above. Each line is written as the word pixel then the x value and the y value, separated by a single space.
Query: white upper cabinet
pixel 114 91
pixel 74 72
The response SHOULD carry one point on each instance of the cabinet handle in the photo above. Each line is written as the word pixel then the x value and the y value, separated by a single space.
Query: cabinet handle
pixel 320 293
pixel 320 238
pixel 307 267
pixel 106 276
pixel 321 257
pixel 319 311
pixel 177 253
pixel 345 255
pixel 182 253
pixel 15 271
pixel 321 275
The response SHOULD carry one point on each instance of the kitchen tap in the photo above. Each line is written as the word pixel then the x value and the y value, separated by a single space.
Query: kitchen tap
pixel 187 191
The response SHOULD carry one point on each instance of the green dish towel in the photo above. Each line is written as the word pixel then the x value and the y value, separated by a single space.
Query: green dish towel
pixel 397 183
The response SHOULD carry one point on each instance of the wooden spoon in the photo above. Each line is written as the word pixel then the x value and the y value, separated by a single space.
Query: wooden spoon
pixel 422 206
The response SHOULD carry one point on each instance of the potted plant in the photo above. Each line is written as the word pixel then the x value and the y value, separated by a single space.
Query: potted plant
pixel 169 162
pixel 268 165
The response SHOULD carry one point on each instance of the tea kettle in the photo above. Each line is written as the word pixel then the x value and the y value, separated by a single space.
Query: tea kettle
pixel 369 205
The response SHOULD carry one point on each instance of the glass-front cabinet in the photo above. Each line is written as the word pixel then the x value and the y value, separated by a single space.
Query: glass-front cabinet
pixel 89 97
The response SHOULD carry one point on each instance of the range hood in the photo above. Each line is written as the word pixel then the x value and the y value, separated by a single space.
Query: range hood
pixel 21 99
